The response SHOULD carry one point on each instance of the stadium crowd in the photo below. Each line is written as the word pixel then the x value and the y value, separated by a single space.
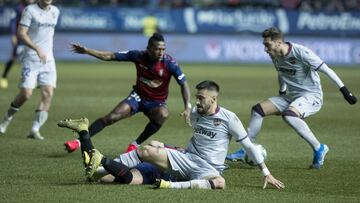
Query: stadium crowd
pixel 305 5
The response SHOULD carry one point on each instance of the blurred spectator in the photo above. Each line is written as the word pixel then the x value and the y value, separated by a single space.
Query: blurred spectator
pixel 304 5
pixel 290 4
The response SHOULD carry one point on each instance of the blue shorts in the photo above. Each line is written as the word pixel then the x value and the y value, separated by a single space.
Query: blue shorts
pixel 150 173
pixel 140 105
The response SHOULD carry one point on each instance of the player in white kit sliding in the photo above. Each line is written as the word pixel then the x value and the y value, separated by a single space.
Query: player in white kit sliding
pixel 300 93
pixel 36 30
pixel 202 163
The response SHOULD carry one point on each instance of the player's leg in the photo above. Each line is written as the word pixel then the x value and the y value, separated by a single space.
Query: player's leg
pixel 8 65
pixel 258 112
pixel 23 95
pixel 124 109
pixel 157 117
pixel 41 113
pixel 212 183
pixel 299 109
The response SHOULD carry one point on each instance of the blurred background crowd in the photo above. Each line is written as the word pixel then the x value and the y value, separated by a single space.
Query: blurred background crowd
pixel 303 5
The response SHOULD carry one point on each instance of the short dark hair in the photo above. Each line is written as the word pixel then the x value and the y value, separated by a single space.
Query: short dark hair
pixel 274 33
pixel 208 85
pixel 156 37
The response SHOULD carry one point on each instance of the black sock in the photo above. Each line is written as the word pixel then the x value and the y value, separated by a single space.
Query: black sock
pixel 7 68
pixel 149 130
pixel 121 172
pixel 85 141
pixel 96 127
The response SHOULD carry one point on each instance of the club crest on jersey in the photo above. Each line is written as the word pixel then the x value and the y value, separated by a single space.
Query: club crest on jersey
pixel 217 122
pixel 292 60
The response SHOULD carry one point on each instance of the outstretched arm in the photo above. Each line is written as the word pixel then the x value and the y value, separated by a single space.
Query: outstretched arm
pixel 185 92
pixel 268 178
pixel 102 55
pixel 349 97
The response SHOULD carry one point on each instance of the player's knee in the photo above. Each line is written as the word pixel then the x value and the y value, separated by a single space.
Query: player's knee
pixel 147 152
pixel 155 143
pixel 288 113
pixel 163 115
pixel 112 118
pixel 217 183
pixel 258 109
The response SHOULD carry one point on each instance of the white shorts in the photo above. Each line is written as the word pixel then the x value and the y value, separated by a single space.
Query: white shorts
pixel 187 166
pixel 35 73
pixel 307 104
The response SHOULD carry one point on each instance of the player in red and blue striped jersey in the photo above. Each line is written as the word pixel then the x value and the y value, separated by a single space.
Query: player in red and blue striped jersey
pixel 154 69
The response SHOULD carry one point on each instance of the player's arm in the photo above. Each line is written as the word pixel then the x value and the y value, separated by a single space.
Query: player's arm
pixel 24 36
pixel 282 86
pixel 102 55
pixel 237 129
pixel 185 93
pixel 349 97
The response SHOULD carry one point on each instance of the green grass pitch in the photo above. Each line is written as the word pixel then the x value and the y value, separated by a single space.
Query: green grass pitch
pixel 41 171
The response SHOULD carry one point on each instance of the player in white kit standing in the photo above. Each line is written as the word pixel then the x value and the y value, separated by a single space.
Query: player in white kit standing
pixel 202 163
pixel 36 30
pixel 300 93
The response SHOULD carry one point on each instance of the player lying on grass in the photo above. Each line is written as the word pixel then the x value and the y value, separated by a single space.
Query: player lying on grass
pixel 300 93
pixel 154 69
pixel 202 163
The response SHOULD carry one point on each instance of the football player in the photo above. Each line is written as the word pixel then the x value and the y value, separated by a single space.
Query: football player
pixel 300 93
pixel 154 70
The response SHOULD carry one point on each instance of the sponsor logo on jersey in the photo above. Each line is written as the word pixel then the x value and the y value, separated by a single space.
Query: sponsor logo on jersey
pixel 287 71
pixel 151 83
pixel 203 131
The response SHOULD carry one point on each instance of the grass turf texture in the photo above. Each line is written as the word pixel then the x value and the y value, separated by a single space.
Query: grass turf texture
pixel 41 171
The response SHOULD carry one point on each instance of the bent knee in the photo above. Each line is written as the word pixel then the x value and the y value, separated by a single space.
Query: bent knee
pixel 155 143
pixel 148 151
pixel 218 183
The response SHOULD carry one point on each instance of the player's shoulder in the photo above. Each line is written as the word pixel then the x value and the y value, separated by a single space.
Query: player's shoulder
pixel 299 48
pixel 169 58
pixel 54 9
pixel 30 8
pixel 226 113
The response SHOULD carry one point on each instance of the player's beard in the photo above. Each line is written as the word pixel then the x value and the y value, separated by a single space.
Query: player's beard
pixel 203 109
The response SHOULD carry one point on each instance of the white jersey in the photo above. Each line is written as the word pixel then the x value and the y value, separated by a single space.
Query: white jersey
pixel 41 24
pixel 298 71
pixel 212 135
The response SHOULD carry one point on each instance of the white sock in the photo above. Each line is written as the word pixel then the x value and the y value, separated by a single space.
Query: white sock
pixel 254 125
pixel 130 159
pixel 40 119
pixel 303 130
pixel 135 143
pixel 192 184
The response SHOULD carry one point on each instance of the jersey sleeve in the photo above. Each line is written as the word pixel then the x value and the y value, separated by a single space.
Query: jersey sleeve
pixel 236 128
pixel 176 72
pixel 126 55
pixel 26 18
pixel 311 58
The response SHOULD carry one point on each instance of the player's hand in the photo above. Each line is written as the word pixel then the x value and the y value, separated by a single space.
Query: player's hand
pixel 186 115
pixel 273 181
pixel 78 48
pixel 41 55
pixel 349 97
